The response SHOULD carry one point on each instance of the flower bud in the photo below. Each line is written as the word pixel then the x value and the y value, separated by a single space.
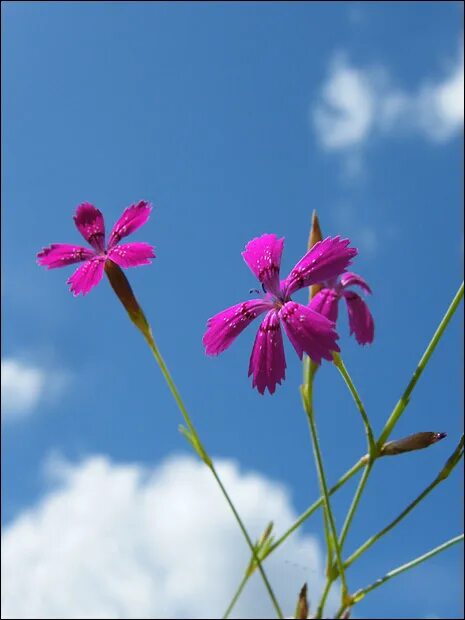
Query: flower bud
pixel 301 611
pixel 417 441
pixel 314 237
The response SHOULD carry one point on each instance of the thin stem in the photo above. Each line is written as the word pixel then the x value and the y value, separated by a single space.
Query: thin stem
pixel 360 594
pixel 324 486
pixel 177 397
pixel 358 401
pixel 404 399
pixel 354 504
pixel 324 596
pixel 236 596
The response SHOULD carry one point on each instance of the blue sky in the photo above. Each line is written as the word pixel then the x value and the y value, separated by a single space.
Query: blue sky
pixel 233 119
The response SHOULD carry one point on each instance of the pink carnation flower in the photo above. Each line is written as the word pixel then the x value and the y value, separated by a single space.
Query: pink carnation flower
pixel 360 319
pixel 89 222
pixel 308 331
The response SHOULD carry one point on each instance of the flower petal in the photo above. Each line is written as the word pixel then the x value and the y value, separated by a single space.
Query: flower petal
pixel 267 362
pixel 87 276
pixel 131 254
pixel 62 254
pixel 360 319
pixel 133 218
pixel 263 256
pixel 89 222
pixel 327 259
pixel 353 279
pixel 223 328
pixel 326 303
pixel 308 331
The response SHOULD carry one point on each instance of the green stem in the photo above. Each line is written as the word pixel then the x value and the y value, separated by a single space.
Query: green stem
pixel 404 399
pixel 366 422
pixel 236 596
pixel 360 594
pixel 354 504
pixel 306 398
pixel 324 596
pixel 177 397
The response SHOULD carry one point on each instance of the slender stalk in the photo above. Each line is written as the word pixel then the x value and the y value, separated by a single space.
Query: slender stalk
pixel 306 398
pixel 404 399
pixel 177 397
pixel 360 594
pixel 236 596
pixel 324 596
pixel 366 422
pixel 354 504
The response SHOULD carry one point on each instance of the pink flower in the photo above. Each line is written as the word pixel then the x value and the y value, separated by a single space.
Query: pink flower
pixel 308 331
pixel 360 320
pixel 89 222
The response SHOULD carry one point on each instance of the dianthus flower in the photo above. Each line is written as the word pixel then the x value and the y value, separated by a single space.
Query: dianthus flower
pixel 326 302
pixel 89 221
pixel 308 331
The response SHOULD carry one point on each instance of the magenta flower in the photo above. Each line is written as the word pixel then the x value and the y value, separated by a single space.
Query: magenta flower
pixel 360 320
pixel 89 222
pixel 308 331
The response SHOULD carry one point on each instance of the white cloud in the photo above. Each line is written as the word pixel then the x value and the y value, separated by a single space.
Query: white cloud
pixel 120 541
pixel 25 385
pixel 357 104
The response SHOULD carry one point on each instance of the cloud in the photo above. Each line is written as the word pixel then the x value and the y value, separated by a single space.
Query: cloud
pixel 358 104
pixel 25 386
pixel 120 541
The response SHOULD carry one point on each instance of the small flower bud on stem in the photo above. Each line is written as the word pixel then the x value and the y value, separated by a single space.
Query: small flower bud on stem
pixel 417 441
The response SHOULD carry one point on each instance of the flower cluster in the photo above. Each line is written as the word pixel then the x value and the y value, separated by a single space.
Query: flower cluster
pixel 310 328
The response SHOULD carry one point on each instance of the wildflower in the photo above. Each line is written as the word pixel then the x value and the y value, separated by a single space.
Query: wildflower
pixel 89 222
pixel 308 331
pixel 360 319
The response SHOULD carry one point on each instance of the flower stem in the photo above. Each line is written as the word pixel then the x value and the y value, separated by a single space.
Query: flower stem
pixel 368 430
pixel 307 403
pixel 404 399
pixel 354 504
pixel 166 374
pixel 360 594
pixel 236 596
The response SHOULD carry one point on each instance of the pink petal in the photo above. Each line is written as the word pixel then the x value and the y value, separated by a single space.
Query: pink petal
pixel 223 328
pixel 131 254
pixel 267 362
pixel 89 222
pixel 133 218
pixel 326 259
pixel 62 254
pixel 353 279
pixel 263 256
pixel 308 331
pixel 325 302
pixel 360 320
pixel 87 276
